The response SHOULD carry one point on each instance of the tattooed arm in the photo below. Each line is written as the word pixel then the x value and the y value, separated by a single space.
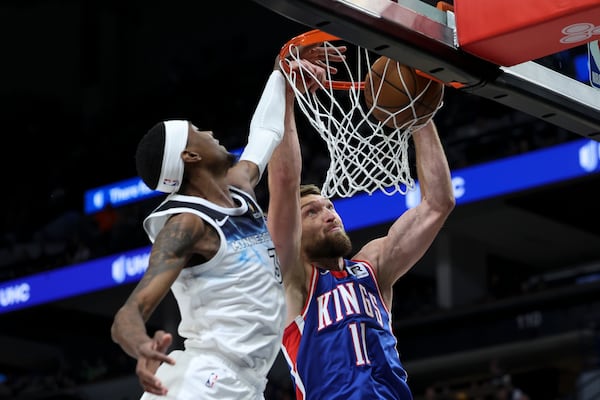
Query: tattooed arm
pixel 182 236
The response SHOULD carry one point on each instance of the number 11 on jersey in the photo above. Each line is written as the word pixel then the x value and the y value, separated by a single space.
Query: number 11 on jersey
pixel 359 342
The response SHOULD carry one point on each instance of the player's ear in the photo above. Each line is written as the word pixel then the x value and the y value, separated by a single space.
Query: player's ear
pixel 188 155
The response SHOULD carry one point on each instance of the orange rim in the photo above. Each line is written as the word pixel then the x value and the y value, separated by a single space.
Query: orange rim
pixel 316 36
pixel 313 37
pixel 455 85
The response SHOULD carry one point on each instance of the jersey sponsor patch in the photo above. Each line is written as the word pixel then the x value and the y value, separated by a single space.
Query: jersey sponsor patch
pixel 359 270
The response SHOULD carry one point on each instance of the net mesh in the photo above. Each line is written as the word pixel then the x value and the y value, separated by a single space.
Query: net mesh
pixel 366 154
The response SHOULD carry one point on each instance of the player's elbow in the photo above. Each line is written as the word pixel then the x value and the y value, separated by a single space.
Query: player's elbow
pixel 114 334
pixel 442 205
pixel 447 204
pixel 114 331
pixel 116 327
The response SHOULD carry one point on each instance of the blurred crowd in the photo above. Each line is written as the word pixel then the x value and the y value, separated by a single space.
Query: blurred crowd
pixel 47 228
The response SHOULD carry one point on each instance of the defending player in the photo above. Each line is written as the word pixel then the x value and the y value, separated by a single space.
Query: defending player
pixel 210 247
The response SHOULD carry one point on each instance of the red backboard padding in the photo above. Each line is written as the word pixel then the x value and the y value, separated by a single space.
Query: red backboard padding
pixel 509 32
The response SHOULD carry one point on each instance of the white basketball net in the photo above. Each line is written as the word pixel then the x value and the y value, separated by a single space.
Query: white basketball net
pixel 365 154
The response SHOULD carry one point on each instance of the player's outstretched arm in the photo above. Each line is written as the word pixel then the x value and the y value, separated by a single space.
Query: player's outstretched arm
pixel 283 217
pixel 171 250
pixel 414 231
pixel 266 132
pixel 284 220
pixel 266 126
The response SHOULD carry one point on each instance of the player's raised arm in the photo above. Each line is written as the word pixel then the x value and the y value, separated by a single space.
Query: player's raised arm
pixel 414 231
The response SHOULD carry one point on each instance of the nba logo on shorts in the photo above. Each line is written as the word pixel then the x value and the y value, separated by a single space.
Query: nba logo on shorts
pixel 212 379
pixel 170 182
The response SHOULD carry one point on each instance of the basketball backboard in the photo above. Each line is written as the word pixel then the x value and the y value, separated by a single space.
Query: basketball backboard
pixel 423 36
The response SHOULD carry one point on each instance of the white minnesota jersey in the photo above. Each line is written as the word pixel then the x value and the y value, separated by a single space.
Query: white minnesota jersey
pixel 233 304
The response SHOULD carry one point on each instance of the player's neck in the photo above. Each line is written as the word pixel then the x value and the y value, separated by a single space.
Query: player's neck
pixel 331 264
pixel 213 190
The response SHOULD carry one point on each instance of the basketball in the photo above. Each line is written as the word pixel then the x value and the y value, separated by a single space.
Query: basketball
pixel 401 85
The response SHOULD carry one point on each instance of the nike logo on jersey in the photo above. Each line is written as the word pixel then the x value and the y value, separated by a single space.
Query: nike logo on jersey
pixel 222 221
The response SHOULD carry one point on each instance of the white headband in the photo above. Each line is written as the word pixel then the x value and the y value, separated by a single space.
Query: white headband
pixel 171 172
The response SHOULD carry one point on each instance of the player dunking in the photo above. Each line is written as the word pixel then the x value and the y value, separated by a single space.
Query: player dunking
pixel 338 340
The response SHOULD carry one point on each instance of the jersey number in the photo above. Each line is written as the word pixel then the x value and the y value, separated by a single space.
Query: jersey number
pixel 359 342
pixel 276 268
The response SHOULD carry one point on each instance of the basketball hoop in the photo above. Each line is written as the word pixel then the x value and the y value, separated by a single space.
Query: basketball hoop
pixel 366 153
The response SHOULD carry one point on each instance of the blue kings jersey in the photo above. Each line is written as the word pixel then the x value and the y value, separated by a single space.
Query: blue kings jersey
pixel 232 305
pixel 342 345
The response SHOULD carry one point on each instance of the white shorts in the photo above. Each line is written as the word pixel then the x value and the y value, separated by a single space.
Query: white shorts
pixel 206 377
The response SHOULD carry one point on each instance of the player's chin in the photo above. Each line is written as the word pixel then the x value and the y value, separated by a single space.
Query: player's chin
pixel 335 229
pixel 336 235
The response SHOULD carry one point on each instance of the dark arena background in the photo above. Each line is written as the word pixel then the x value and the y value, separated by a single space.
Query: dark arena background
pixel 507 297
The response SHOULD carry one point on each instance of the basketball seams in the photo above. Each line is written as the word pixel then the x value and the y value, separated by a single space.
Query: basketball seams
pixel 422 107
pixel 400 93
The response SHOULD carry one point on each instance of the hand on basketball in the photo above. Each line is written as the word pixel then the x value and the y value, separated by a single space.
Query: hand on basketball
pixel 151 355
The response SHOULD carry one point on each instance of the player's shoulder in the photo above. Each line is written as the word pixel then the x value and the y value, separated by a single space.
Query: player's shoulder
pixel 185 223
pixel 370 252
